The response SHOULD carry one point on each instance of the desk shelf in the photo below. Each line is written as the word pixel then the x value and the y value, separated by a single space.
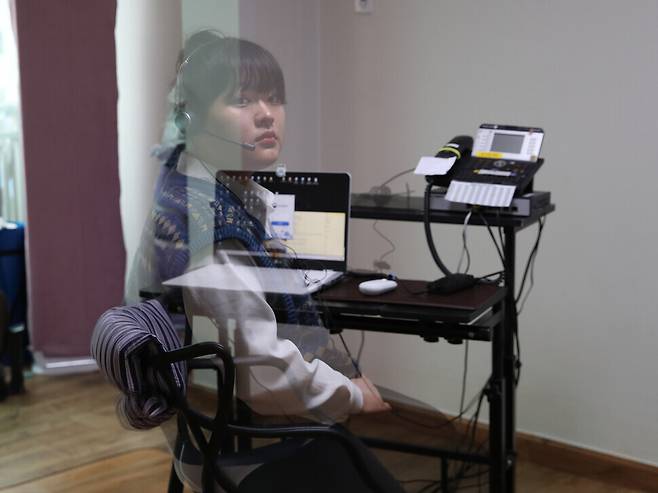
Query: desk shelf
pixel 409 310
pixel 410 209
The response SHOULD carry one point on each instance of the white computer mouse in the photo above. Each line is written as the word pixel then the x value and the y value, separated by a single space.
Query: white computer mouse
pixel 377 286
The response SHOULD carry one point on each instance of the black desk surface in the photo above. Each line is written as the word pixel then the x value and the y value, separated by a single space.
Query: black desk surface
pixel 402 208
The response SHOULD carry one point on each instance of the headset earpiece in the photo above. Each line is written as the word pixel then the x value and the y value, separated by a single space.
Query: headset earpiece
pixel 182 118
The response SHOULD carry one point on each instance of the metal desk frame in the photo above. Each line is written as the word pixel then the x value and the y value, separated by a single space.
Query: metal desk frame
pixel 504 324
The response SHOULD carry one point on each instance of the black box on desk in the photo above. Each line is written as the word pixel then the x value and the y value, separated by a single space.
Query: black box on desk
pixel 523 205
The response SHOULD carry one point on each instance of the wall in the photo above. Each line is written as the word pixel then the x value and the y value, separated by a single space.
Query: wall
pixel 68 96
pixel 398 83
pixel 146 67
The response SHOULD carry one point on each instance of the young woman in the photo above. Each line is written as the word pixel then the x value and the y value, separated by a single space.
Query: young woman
pixel 211 233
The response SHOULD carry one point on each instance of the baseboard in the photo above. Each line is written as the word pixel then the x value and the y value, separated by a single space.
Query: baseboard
pixel 562 456
pixel 597 465
pixel 44 365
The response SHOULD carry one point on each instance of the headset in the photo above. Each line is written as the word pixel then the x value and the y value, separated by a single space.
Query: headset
pixel 183 118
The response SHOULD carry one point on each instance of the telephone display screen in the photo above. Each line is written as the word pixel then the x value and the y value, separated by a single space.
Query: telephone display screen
pixel 508 142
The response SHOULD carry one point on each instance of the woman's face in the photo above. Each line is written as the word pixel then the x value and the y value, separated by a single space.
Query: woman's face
pixel 249 117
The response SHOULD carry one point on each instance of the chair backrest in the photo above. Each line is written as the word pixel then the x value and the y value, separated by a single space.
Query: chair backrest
pixel 123 340
pixel 139 351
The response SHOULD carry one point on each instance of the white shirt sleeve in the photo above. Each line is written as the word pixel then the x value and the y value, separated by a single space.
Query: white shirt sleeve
pixel 272 376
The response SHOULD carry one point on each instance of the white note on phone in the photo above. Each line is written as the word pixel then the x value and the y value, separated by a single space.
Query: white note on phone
pixel 430 166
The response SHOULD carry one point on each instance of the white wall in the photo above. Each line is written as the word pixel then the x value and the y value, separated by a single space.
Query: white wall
pixel 148 39
pixel 371 93
pixel 402 81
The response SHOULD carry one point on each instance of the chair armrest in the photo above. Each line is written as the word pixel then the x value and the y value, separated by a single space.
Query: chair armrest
pixel 354 447
pixel 194 351
pixel 334 431
pixel 188 353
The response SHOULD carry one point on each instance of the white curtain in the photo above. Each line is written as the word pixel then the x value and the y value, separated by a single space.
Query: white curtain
pixel 12 185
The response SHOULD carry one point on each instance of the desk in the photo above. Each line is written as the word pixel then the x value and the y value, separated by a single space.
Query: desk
pixel 474 314
pixel 453 321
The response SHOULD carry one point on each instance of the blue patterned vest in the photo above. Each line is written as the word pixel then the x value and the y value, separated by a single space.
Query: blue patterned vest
pixel 190 213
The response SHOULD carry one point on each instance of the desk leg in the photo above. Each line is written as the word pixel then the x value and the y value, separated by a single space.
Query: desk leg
pixel 497 410
pixel 509 370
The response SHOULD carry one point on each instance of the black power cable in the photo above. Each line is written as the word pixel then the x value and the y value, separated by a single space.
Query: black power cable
pixel 428 231
pixel 452 282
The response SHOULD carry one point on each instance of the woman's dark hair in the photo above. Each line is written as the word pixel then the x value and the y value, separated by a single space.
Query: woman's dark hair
pixel 211 65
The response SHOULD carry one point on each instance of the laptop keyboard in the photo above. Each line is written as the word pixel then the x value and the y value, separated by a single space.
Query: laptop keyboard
pixel 317 279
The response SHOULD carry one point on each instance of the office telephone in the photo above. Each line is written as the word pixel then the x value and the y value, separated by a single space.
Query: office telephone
pixel 489 171
pixel 499 155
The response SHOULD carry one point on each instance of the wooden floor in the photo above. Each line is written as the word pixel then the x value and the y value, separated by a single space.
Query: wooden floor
pixel 63 436
pixel 60 423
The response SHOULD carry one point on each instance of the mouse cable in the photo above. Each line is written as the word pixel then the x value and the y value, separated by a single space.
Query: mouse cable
pixel 361 346
pixel 481 471
pixel 381 263
pixel 530 266
pixel 448 422
pixel 469 438
pixel 462 410
pixel 530 286
pixel 501 236
pixel 465 250
pixel 397 175
pixel 384 192
pixel 355 363
pixel 493 238
pixel 471 429
pixel 515 334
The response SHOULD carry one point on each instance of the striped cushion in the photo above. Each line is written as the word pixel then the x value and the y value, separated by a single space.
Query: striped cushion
pixel 120 346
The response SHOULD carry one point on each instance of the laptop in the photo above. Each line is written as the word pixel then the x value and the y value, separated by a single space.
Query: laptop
pixel 311 221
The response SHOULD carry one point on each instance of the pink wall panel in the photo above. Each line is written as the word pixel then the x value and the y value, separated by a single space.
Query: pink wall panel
pixel 75 248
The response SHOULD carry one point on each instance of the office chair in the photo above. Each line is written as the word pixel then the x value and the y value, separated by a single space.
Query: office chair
pixel 139 351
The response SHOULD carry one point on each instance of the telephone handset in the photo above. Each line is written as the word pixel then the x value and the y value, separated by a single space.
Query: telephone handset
pixel 500 155
pixel 459 148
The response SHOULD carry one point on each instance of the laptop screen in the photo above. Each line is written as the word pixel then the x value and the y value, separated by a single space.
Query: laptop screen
pixel 310 217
